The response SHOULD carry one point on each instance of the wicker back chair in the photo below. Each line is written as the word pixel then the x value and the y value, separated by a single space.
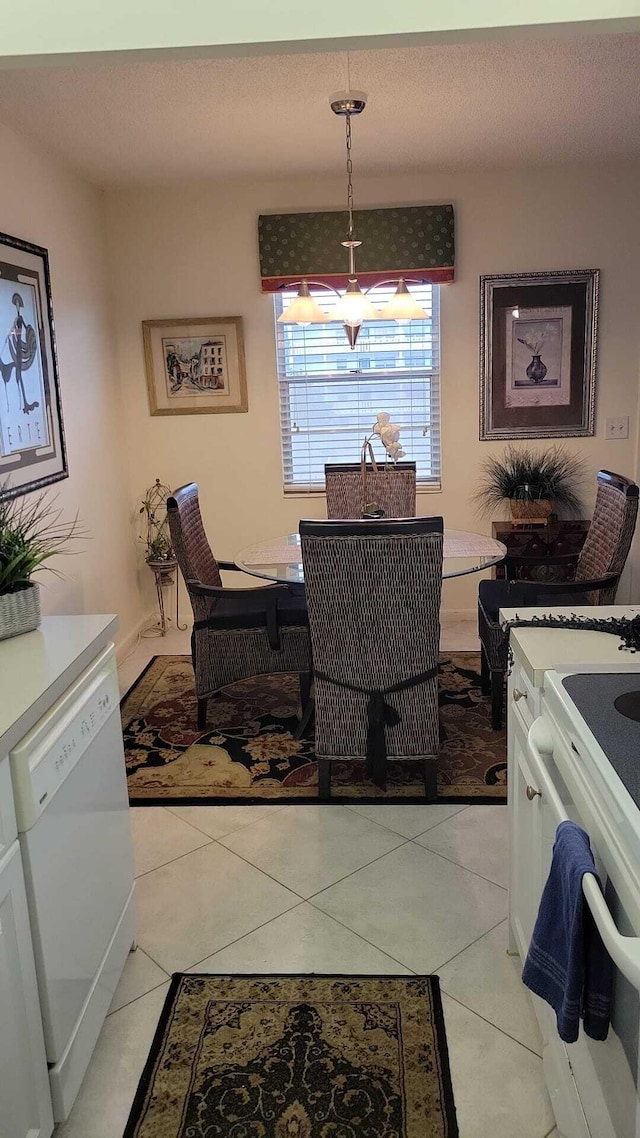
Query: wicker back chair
pixel 237 633
pixel 348 493
pixel 593 575
pixel 373 595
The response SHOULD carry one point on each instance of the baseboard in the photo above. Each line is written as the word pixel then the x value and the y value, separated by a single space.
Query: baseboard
pixel 125 644
pixel 458 614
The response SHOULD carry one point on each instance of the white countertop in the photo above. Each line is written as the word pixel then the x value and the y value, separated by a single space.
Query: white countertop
pixel 565 649
pixel 37 667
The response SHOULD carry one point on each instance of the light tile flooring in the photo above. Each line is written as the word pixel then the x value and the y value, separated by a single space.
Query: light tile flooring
pixel 366 889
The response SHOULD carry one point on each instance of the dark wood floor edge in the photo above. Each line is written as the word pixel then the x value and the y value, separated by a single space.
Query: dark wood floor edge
pixel 313 800
pixel 448 1100
pixel 137 1106
pixel 137 680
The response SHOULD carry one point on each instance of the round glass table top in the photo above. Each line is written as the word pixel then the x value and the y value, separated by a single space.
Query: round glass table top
pixel 280 558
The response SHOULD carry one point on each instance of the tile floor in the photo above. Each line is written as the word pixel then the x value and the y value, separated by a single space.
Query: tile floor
pixel 370 889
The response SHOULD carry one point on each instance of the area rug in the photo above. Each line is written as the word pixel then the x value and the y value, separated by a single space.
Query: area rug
pixel 297 1057
pixel 249 754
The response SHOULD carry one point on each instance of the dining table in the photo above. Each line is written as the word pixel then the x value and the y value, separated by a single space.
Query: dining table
pixel 280 558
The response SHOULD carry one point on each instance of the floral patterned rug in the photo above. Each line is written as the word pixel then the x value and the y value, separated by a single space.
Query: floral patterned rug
pixel 249 753
pixel 299 1056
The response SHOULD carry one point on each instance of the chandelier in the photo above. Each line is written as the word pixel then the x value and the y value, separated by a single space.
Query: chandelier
pixel 354 306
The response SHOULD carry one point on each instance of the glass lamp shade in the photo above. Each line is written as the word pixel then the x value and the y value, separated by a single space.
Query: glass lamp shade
pixel 402 306
pixel 354 307
pixel 304 309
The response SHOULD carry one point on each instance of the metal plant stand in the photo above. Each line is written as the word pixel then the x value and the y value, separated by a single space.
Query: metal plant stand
pixel 163 572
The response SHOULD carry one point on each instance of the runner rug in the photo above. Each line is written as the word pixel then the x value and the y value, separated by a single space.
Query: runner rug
pixel 297 1057
pixel 249 753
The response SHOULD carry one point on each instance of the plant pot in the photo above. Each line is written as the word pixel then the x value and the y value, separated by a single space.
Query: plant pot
pixel 20 611
pixel 526 511
pixel 164 569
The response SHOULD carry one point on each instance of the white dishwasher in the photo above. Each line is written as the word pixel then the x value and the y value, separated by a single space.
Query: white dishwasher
pixel 73 821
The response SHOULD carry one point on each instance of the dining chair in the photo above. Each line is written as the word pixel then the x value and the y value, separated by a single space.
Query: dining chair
pixel 349 492
pixel 373 596
pixel 237 633
pixel 596 574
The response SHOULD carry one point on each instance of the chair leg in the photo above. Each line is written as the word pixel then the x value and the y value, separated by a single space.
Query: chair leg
pixel 430 780
pixel 324 779
pixel 306 719
pixel 202 713
pixel 305 689
pixel 485 673
pixel 497 698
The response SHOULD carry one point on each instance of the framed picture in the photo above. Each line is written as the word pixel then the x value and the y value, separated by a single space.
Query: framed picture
pixel 195 366
pixel 32 450
pixel 538 335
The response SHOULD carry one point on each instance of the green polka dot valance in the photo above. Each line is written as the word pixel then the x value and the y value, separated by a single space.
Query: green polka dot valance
pixel 412 241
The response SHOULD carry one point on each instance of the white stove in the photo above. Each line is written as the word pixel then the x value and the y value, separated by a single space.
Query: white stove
pixel 584 761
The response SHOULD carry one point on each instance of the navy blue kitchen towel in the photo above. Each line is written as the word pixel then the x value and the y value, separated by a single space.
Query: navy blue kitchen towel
pixel 567 963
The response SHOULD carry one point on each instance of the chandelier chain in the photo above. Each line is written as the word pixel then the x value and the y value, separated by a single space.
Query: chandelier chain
pixel 349 175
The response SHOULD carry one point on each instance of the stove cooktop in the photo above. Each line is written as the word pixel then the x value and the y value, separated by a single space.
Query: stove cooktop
pixel 612 714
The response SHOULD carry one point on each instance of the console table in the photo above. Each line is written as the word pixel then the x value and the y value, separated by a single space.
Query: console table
pixel 550 540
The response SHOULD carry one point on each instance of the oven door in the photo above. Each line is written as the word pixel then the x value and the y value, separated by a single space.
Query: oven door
pixel 606 1074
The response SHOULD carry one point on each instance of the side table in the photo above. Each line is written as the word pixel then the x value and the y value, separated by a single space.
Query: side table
pixel 551 540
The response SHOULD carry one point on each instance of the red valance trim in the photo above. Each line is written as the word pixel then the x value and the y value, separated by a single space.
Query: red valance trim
pixel 365 280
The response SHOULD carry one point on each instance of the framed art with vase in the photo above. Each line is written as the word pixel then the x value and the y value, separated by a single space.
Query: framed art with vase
pixel 32 447
pixel 538 337
pixel 195 365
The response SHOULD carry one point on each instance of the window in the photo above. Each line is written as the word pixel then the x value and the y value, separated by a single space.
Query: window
pixel 330 395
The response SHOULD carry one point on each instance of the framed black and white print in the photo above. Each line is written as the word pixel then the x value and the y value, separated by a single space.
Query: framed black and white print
pixel 195 365
pixel 32 450
pixel 538 338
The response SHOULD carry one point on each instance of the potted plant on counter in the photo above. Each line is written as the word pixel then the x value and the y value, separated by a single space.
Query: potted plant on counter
pixel 31 532
pixel 535 483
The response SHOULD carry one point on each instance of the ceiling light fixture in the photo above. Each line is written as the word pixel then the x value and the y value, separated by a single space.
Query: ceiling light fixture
pixel 354 306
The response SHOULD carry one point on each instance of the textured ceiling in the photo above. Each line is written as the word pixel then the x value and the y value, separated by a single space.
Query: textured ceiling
pixel 446 105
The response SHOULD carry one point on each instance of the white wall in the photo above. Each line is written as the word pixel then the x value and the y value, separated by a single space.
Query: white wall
pixel 192 251
pixel 42 202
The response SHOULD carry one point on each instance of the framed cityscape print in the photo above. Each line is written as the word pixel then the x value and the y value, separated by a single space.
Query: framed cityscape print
pixel 195 365
pixel 32 449
pixel 538 338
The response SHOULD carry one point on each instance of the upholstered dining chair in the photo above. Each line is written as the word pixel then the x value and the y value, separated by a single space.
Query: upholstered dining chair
pixel 237 633
pixel 348 493
pixel 594 574
pixel 373 596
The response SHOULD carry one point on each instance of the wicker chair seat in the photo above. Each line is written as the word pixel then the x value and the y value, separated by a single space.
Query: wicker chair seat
pixel 250 611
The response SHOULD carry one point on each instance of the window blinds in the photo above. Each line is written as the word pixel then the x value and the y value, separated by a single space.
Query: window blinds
pixel 330 395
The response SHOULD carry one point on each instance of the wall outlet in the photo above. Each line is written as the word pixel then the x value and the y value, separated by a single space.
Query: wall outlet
pixel 617 428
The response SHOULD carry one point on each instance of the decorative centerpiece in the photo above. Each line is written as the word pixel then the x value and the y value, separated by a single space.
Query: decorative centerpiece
pixel 159 554
pixel 389 435
pixel 31 532
pixel 535 483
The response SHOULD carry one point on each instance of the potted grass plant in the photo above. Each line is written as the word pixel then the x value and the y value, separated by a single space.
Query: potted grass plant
pixel 31 532
pixel 536 483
